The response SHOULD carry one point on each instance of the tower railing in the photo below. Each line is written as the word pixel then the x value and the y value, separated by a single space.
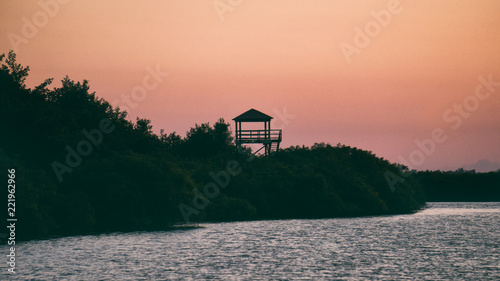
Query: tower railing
pixel 258 136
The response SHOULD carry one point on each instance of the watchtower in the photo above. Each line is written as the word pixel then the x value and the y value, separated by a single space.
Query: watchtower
pixel 270 139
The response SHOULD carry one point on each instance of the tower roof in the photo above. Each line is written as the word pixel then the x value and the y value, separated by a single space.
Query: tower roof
pixel 252 115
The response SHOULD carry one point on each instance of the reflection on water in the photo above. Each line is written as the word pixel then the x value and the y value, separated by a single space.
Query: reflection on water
pixel 448 241
pixel 459 208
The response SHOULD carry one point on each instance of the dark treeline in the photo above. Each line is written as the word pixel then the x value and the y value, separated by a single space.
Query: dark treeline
pixel 460 186
pixel 83 167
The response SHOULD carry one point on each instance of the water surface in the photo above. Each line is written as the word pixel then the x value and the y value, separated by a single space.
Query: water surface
pixel 447 241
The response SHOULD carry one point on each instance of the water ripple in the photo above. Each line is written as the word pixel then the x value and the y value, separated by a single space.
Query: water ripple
pixel 448 241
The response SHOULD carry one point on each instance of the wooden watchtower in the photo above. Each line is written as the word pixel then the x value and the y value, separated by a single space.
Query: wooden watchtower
pixel 270 139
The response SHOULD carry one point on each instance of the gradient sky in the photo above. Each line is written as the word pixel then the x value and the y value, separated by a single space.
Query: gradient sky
pixel 285 55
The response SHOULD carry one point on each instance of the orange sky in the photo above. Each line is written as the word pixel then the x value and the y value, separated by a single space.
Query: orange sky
pixel 417 63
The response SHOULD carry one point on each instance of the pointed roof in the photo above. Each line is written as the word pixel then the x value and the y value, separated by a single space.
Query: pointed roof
pixel 252 115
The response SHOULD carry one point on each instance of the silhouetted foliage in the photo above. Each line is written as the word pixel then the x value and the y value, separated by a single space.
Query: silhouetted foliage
pixel 128 178
pixel 460 186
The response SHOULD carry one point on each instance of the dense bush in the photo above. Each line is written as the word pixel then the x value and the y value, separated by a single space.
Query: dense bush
pixel 460 186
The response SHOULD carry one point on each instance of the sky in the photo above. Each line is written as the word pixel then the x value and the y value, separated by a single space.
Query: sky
pixel 415 82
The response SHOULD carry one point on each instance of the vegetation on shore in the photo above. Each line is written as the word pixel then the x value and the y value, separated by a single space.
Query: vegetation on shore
pixel 460 186
pixel 83 167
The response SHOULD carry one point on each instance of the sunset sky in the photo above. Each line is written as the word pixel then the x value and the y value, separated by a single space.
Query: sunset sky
pixel 378 75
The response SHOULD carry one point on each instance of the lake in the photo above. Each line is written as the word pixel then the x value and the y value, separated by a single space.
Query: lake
pixel 446 241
